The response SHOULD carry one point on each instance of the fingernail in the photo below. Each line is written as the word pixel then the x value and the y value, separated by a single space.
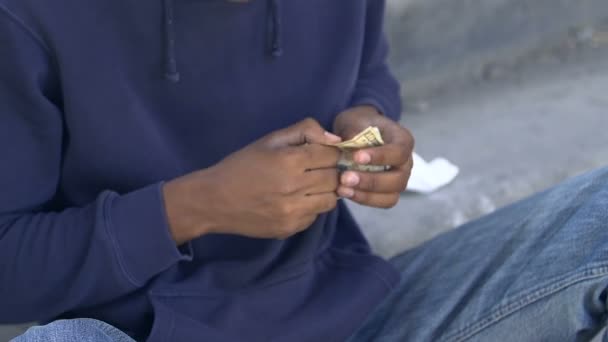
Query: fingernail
pixel 346 192
pixel 363 158
pixel 332 137
pixel 350 179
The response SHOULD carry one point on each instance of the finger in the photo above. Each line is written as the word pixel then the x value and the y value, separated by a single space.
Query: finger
pixel 380 182
pixel 320 181
pixel 320 203
pixel 370 199
pixel 316 156
pixel 397 134
pixel 391 154
pixel 308 131
pixel 399 146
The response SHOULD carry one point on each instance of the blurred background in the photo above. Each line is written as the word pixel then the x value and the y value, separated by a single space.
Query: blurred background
pixel 514 92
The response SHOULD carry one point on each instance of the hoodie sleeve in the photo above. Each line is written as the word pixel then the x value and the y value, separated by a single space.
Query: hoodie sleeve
pixel 53 261
pixel 376 85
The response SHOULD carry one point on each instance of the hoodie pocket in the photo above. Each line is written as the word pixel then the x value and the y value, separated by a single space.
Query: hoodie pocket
pixel 171 325
pixel 326 301
pixel 249 315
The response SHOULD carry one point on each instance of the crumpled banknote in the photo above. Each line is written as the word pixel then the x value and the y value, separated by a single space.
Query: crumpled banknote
pixel 370 137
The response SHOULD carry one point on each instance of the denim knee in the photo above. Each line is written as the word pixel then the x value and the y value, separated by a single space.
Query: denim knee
pixel 76 330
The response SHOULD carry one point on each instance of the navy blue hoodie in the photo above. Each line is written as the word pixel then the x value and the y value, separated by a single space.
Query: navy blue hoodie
pixel 101 101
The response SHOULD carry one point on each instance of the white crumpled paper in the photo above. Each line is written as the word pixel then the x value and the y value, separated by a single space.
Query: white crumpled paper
pixel 428 177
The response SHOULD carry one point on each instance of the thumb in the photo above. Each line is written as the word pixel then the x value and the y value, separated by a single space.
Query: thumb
pixel 308 131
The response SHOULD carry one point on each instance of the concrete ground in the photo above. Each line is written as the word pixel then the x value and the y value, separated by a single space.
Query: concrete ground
pixel 446 43
pixel 537 125
pixel 515 92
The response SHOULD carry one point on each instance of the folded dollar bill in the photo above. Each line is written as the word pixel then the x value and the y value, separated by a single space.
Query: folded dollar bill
pixel 370 137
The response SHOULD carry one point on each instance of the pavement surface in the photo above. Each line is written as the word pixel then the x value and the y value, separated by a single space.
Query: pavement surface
pixel 437 43
pixel 534 127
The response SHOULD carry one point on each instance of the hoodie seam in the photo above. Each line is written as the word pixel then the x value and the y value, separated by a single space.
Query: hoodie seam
pixel 40 43
pixel 28 30
pixel 108 222
pixel 390 285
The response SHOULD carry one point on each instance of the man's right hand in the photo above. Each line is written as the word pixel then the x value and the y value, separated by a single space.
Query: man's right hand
pixel 273 188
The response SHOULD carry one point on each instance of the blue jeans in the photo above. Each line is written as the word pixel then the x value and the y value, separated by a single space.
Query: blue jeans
pixel 74 330
pixel 534 271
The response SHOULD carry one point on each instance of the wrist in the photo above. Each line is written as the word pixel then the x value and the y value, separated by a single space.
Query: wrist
pixel 183 201
pixel 368 108
pixel 355 119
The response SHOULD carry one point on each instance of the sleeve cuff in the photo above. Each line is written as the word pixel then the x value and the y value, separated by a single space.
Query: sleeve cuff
pixel 391 109
pixel 139 229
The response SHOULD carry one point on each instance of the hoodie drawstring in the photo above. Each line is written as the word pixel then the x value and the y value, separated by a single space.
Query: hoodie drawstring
pixel 275 28
pixel 275 31
pixel 171 72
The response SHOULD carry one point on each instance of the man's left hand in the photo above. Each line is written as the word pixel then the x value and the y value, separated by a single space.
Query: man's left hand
pixel 382 189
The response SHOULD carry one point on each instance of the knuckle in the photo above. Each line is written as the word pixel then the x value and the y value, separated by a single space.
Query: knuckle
pixel 378 158
pixel 285 211
pixel 334 178
pixel 337 154
pixel 269 140
pixel 373 182
pixel 308 152
pixel 286 188
pixel 310 123
pixel 392 202
pixel 361 197
pixel 290 158
pixel 331 203
pixel 368 182
pixel 328 155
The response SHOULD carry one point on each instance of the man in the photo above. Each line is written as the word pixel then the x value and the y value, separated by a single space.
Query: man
pixel 166 177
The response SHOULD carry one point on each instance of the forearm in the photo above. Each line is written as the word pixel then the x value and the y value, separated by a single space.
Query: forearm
pixel 80 257
pixel 182 199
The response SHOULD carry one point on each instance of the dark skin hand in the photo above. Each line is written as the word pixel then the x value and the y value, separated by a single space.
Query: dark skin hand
pixel 380 190
pixel 274 188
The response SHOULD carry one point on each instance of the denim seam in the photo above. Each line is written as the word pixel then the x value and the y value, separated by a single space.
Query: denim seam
pixel 518 302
